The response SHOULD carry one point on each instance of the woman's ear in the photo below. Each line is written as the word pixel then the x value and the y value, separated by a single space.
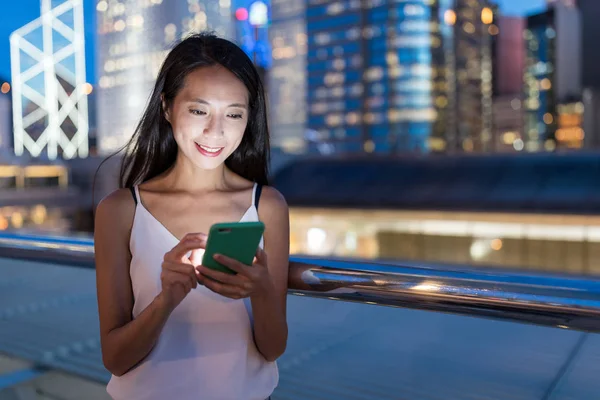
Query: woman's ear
pixel 165 108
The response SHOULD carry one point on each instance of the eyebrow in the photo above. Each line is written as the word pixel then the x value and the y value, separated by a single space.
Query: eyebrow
pixel 239 105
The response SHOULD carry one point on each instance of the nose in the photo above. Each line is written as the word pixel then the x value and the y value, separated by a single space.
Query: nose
pixel 214 127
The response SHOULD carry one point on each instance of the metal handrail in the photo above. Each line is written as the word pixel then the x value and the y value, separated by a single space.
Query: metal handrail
pixel 558 301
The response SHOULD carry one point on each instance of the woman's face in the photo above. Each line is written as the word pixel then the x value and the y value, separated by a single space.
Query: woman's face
pixel 209 116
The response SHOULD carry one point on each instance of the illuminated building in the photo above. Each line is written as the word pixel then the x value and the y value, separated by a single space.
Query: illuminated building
pixel 286 78
pixel 509 64
pixel 389 77
pixel 485 209
pixel 252 34
pixel 49 91
pixel 569 123
pixel 133 40
pixel 552 79
pixel 474 29
pixel 381 77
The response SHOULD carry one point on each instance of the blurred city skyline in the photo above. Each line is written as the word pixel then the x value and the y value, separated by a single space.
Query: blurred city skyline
pixel 443 76
pixel 18 14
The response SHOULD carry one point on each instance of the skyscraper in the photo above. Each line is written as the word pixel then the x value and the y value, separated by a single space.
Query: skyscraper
pixel 133 40
pixel 287 77
pixel 49 91
pixel 393 77
pixel 473 70
pixel 509 66
pixel 553 108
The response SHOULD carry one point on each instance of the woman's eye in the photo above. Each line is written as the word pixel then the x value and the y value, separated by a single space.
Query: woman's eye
pixel 197 112
pixel 235 116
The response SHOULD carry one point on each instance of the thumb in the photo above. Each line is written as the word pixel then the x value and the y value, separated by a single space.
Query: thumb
pixel 196 257
pixel 195 253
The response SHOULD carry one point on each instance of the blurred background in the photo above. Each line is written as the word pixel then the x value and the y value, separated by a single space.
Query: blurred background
pixel 447 132
pixel 436 130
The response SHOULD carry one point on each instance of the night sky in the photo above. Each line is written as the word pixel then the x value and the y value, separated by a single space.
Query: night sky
pixel 17 13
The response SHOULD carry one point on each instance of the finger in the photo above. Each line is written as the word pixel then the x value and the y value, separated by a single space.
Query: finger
pixel 220 276
pixel 232 264
pixel 179 252
pixel 201 238
pixel 261 256
pixel 180 272
pixel 185 269
pixel 196 236
pixel 233 292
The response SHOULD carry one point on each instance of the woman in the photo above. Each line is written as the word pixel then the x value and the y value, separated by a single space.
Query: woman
pixel 171 328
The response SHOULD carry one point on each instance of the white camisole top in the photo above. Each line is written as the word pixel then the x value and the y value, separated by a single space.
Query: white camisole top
pixel 206 350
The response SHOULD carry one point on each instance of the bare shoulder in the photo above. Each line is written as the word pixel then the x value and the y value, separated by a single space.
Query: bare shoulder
pixel 117 207
pixel 118 198
pixel 272 203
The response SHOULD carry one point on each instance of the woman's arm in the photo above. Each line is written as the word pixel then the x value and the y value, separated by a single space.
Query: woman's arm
pixel 269 306
pixel 125 341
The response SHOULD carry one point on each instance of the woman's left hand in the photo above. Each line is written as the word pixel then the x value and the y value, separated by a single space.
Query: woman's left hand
pixel 249 281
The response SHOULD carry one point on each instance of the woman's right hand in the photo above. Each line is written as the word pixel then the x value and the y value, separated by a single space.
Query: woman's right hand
pixel 178 276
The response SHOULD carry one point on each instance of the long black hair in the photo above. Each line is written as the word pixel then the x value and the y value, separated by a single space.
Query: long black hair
pixel 152 149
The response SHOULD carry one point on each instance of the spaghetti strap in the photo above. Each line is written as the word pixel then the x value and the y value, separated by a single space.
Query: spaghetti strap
pixel 137 193
pixel 134 194
pixel 256 194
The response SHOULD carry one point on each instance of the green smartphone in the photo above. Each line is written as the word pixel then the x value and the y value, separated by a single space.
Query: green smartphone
pixel 237 240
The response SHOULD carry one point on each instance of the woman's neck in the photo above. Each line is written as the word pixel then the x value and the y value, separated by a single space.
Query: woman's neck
pixel 186 176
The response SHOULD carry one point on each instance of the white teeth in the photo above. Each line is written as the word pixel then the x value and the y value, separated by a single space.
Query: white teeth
pixel 210 149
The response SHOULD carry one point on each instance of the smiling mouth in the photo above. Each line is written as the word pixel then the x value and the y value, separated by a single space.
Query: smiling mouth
pixel 209 151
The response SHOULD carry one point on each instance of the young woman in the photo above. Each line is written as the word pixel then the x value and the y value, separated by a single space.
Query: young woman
pixel 171 328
